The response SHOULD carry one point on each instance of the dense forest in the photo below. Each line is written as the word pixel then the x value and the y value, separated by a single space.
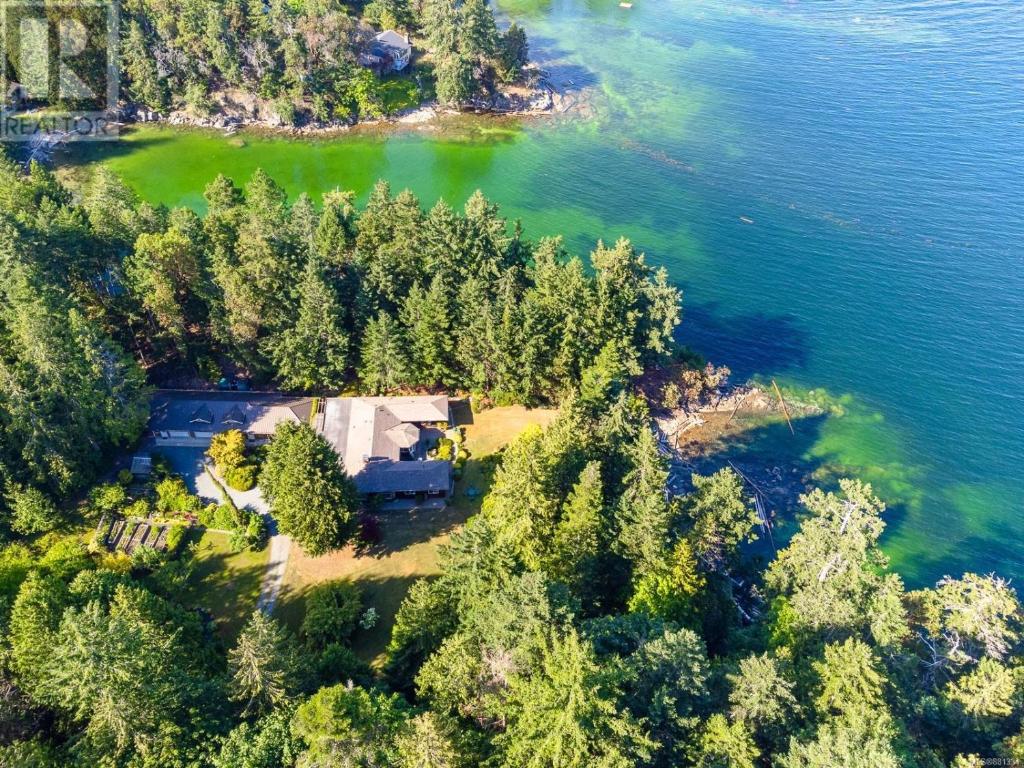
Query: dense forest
pixel 301 58
pixel 312 298
pixel 585 617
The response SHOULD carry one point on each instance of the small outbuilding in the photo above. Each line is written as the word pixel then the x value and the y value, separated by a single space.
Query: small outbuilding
pixel 388 52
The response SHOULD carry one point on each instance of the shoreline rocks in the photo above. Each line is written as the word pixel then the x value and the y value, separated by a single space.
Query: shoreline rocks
pixel 537 98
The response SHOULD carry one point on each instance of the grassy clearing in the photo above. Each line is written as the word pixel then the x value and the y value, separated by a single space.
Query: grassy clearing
pixel 399 93
pixel 408 552
pixel 225 583
pixel 491 430
pixel 410 542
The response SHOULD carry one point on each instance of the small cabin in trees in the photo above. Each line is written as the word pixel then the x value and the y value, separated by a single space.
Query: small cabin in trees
pixel 388 52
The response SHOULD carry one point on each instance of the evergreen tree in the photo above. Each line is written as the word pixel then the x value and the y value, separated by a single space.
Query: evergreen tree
pixel 521 505
pixel 441 26
pixel 34 620
pixel 499 633
pixel 349 726
pixel 453 75
pixel 666 688
pixel 32 511
pixel 426 744
pixel 513 53
pixel 987 691
pixel 427 317
pixel 385 363
pixel 643 514
pixel 478 36
pixel 266 743
pixel 579 535
pixel 760 694
pixel 668 588
pixel 144 82
pixel 566 715
pixel 166 272
pixel 67 393
pixel 309 494
pixel 831 574
pixel 261 664
pixel 722 517
pixel 108 671
pixel 312 354
pixel 725 745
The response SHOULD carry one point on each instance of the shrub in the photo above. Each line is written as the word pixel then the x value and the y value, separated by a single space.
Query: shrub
pixel 138 508
pixel 504 399
pixel 125 477
pixel 226 517
pixel 32 511
pixel 161 466
pixel 284 108
pixel 338 664
pixel 370 532
pixel 106 498
pixel 172 496
pixel 208 368
pixel 332 610
pixel 445 449
pixel 241 478
pixel 237 541
pixel 207 516
pixel 227 451
pixel 369 618
pixel 175 535
pixel 197 98
pixel 256 532
pixel 146 559
pixel 670 396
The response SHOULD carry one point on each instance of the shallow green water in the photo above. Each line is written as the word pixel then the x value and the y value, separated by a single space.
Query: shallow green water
pixel 838 186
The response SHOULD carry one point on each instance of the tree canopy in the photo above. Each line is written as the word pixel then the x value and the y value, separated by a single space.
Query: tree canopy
pixel 309 493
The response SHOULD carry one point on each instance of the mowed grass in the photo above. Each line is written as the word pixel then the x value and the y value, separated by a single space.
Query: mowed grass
pixel 407 552
pixel 225 583
pixel 409 548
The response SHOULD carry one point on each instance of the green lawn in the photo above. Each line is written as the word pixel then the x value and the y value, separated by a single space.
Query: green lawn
pixel 398 93
pixel 408 552
pixel 225 583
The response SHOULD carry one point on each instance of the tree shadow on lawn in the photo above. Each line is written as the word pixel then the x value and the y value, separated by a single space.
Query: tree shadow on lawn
pixel 404 528
pixel 383 593
pixel 227 585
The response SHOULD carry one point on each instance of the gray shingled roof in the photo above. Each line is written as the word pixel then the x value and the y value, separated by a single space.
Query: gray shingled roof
pixel 219 411
pixel 404 476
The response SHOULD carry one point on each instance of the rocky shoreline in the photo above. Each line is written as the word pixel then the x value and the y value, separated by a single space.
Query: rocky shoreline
pixel 538 98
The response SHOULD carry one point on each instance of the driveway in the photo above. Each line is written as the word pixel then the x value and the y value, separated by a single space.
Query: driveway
pixel 190 463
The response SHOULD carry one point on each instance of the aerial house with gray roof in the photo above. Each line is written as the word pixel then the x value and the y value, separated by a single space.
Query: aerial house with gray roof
pixel 382 441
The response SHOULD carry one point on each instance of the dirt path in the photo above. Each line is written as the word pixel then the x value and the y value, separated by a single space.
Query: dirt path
pixel 280 547
pixel 270 587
